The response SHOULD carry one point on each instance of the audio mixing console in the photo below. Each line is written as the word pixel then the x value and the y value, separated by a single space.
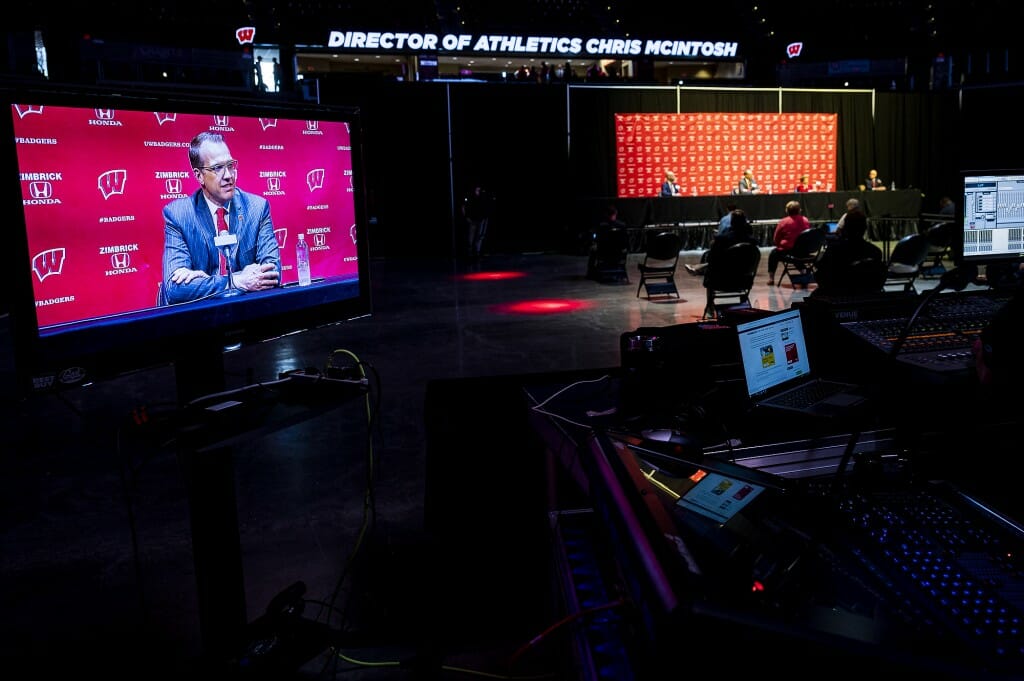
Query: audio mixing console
pixel 942 336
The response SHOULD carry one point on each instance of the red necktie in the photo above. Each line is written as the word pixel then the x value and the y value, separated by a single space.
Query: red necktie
pixel 222 226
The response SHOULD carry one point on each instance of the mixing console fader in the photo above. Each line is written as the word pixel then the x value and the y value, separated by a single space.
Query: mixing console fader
pixel 941 338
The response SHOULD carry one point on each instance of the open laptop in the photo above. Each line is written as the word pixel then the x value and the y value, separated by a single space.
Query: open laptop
pixel 831 230
pixel 778 370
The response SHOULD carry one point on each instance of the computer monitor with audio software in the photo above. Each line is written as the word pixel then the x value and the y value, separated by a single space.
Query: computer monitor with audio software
pixel 992 220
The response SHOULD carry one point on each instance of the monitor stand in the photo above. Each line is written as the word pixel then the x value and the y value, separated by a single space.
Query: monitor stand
pixel 205 437
pixel 199 370
pixel 213 513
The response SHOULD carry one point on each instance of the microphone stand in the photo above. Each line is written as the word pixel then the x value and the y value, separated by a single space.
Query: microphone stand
pixel 224 241
pixel 956 279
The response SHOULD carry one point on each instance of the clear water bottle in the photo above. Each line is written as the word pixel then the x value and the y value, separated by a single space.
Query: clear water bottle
pixel 892 187
pixel 302 260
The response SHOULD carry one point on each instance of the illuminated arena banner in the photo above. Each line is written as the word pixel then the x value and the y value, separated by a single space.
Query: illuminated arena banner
pixel 95 182
pixel 563 46
pixel 708 152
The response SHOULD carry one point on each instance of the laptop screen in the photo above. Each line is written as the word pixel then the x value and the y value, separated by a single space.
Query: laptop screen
pixel 773 351
pixel 831 227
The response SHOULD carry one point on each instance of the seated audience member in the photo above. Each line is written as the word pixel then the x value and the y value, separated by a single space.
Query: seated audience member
pixel 873 182
pixel 747 183
pixel 804 185
pixel 833 270
pixel 611 221
pixel 724 228
pixel 851 205
pixel 725 223
pixel 669 187
pixel 786 232
pixel 740 230
pixel 946 206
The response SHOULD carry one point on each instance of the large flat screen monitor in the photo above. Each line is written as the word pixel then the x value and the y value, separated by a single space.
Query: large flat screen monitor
pixel 993 217
pixel 102 201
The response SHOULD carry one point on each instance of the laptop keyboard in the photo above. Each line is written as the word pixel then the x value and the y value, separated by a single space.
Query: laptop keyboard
pixel 806 395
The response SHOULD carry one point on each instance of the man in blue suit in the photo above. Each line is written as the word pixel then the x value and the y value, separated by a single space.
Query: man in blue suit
pixel 191 266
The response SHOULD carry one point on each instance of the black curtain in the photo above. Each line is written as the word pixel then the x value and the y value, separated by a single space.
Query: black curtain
pixel 988 135
pixel 728 101
pixel 914 140
pixel 512 138
pixel 405 146
pixel 592 140
pixel 855 147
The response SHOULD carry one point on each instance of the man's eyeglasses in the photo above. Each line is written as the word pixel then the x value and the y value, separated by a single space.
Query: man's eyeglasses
pixel 221 167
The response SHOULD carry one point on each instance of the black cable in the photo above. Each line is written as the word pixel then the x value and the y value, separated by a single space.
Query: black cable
pixel 127 489
pixel 851 444
pixel 369 497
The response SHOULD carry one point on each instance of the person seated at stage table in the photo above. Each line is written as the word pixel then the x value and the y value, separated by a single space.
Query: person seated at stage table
pixel 747 183
pixel 873 182
pixel 669 187
pixel 804 185
pixel 784 237
pixel 834 269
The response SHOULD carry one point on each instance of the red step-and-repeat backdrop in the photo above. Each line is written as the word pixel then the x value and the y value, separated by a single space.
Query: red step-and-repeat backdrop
pixel 95 181
pixel 708 152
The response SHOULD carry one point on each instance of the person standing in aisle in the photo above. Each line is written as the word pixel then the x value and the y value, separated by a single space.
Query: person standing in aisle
pixel 476 209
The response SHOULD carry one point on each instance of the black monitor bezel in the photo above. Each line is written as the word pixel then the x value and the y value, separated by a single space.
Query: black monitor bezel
pixel 133 342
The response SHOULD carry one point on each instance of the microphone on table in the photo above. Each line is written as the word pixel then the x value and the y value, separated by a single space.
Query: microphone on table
pixel 955 279
pixel 224 241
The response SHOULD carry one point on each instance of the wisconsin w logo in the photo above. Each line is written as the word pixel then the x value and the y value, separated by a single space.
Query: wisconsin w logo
pixel 26 109
pixel 48 262
pixel 245 34
pixel 112 182
pixel 315 179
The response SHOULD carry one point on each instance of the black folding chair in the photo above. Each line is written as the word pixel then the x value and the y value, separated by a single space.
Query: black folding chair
pixel 611 256
pixel 905 261
pixel 730 276
pixel 658 268
pixel 798 262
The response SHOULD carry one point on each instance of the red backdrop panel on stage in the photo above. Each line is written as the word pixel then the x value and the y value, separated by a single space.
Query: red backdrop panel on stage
pixel 708 152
